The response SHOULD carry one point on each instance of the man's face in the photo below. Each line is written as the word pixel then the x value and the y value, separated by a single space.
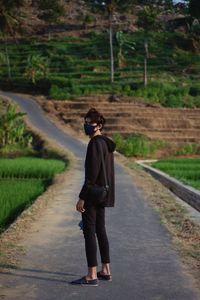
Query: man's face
pixel 90 127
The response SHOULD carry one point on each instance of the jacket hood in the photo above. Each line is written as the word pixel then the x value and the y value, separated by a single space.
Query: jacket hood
pixel 111 145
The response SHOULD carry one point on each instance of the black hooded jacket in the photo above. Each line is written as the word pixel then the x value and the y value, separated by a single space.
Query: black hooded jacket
pixel 94 170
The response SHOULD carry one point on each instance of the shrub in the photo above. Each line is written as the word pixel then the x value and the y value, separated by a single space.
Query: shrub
pixel 190 148
pixel 173 101
pixel 136 145
pixel 194 90
pixel 57 93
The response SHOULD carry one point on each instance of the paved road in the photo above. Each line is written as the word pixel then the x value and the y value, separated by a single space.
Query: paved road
pixel 144 264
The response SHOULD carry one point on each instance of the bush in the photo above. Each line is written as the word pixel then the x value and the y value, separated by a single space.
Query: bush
pixel 186 149
pixel 136 145
pixel 196 101
pixel 59 81
pixel 194 91
pixel 173 101
pixel 57 93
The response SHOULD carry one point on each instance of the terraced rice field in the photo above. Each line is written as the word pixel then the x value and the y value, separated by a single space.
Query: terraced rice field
pixel 186 170
pixel 22 180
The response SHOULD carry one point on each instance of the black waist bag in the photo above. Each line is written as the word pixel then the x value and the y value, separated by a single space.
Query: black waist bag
pixel 97 194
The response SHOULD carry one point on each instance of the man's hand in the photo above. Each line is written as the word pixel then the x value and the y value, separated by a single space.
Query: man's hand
pixel 80 206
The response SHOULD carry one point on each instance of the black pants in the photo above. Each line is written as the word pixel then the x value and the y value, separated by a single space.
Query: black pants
pixel 94 225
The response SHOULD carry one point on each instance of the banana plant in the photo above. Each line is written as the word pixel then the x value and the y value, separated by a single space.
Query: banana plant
pixel 125 45
pixel 37 67
pixel 8 124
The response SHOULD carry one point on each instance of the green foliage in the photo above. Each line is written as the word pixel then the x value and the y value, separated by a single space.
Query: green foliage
pixel 58 93
pixel 136 145
pixel 2 58
pixel 87 20
pixel 147 18
pixel 194 90
pixel 188 149
pixel 168 94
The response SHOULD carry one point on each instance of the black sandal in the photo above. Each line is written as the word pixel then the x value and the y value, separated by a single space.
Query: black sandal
pixel 84 281
pixel 104 277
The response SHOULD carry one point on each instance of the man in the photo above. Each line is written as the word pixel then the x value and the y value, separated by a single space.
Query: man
pixel 93 214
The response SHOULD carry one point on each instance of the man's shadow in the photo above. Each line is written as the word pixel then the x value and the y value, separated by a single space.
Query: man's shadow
pixel 12 270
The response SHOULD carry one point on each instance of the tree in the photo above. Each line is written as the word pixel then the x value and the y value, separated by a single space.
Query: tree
pixel 50 11
pixel 194 8
pixel 147 19
pixel 110 7
pixel 10 15
pixel 10 18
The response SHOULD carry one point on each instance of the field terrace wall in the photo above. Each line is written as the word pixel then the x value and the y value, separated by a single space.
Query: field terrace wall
pixel 170 124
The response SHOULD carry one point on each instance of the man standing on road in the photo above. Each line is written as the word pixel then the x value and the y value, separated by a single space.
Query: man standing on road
pixel 93 213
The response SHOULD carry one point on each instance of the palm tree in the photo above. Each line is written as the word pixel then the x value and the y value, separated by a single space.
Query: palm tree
pixel 110 7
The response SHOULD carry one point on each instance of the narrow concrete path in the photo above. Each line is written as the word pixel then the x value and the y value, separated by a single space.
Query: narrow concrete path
pixel 144 265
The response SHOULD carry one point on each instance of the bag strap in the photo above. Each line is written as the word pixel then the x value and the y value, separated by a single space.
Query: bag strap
pixel 103 163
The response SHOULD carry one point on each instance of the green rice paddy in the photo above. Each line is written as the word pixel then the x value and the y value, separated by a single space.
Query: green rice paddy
pixel 186 170
pixel 22 180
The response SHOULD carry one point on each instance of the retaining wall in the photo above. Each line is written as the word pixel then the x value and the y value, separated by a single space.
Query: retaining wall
pixel 186 193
